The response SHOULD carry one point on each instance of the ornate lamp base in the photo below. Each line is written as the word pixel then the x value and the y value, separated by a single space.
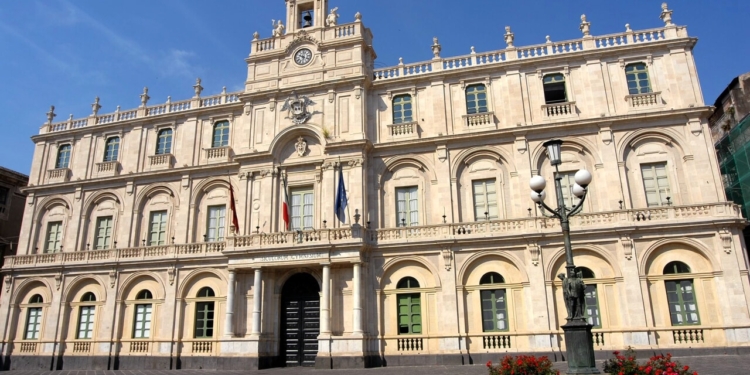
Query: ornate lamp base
pixel 580 348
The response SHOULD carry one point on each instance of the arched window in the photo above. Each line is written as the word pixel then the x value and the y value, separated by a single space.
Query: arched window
pixel 402 109
pixel 409 308
pixel 112 149
pixel 494 304
pixel 144 294
pixel 591 298
pixel 491 278
pixel 637 77
pixel 221 134
pixel 164 142
pixel 63 157
pixel 554 89
pixel 142 320
pixel 683 305
pixel 407 283
pixel 86 317
pixel 476 99
pixel 676 267
pixel 204 314
pixel 33 318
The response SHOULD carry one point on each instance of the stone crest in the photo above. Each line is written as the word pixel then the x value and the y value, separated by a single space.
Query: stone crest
pixel 301 146
pixel 298 108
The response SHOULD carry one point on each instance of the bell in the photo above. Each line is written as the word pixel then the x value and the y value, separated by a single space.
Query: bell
pixel 307 20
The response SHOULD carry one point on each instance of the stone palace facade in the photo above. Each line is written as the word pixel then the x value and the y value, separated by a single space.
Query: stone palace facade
pixel 129 259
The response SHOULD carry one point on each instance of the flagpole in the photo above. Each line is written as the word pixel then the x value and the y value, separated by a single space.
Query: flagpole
pixel 348 212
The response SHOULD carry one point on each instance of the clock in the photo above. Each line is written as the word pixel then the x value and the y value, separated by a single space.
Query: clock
pixel 303 56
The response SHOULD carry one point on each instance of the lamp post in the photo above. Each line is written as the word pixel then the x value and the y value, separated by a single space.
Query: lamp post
pixel 579 345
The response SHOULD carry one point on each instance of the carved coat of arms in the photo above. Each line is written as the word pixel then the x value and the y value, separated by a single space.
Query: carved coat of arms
pixel 297 107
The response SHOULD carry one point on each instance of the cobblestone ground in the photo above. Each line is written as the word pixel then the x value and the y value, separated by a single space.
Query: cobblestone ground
pixel 708 365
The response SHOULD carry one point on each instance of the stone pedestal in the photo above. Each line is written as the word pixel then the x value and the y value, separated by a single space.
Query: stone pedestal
pixel 580 348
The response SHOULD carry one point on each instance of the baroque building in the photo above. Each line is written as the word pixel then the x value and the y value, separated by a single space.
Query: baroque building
pixel 129 257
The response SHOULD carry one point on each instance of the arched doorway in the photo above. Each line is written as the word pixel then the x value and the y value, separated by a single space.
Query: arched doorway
pixel 300 320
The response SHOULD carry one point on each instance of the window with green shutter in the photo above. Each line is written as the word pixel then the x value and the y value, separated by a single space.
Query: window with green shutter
pixel 683 305
pixel 637 77
pixel 409 308
pixel 86 317
pixel 407 206
pixel 494 304
pixel 567 182
pixel 142 319
pixel 63 157
pixel 33 318
pixel 485 199
pixel 221 134
pixel 157 235
pixel 216 223
pixel 655 183
pixel 112 149
pixel 303 203
pixel 402 109
pixel 103 233
pixel 204 314
pixel 54 237
pixel 554 89
pixel 476 99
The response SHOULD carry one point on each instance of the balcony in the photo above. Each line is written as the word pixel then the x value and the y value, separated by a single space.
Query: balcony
pixel 559 111
pixel 58 175
pixel 108 169
pixel 480 121
pixel 406 130
pixel 218 154
pixel 160 162
pixel 644 101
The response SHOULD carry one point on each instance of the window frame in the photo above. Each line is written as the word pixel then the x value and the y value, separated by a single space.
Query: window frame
pixel 217 233
pixel 305 210
pixel 682 303
pixel 111 149
pixel 223 128
pixel 107 237
pixel 65 149
pixel 89 312
pixel 487 206
pixel 638 88
pixel 413 195
pixel 476 108
pixel 489 293
pixel 146 318
pixel 38 310
pixel 551 85
pixel 164 148
pixel 657 189
pixel 162 225
pixel 48 235
pixel 402 118
pixel 207 305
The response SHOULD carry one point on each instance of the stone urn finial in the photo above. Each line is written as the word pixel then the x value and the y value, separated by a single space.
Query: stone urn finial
pixel 256 35
pixel 436 48
pixel 666 15
pixel 198 88
pixel 51 114
pixel 358 17
pixel 95 107
pixel 585 26
pixel 509 37
pixel 627 28
pixel 144 97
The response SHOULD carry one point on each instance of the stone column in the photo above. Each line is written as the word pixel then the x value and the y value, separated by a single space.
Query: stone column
pixel 325 301
pixel 229 317
pixel 357 300
pixel 257 297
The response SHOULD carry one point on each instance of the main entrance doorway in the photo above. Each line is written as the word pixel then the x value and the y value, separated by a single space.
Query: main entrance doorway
pixel 300 321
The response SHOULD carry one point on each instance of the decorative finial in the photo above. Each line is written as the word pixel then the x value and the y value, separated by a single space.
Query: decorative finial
pixel 400 61
pixel 547 39
pixel 627 28
pixel 169 99
pixel 436 48
pixel 95 107
pixel 144 97
pixel 666 15
pixel 509 37
pixel 585 26
pixel 256 35
pixel 223 90
pixel 198 88
pixel 358 17
pixel 473 52
pixel 51 114
pixel 356 216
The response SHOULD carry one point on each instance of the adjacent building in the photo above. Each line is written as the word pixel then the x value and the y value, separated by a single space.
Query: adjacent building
pixel 130 256
pixel 12 203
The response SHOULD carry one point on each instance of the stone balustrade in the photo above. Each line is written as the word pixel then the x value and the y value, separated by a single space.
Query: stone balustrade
pixel 557 110
pixel 218 154
pixel 549 48
pixel 58 175
pixel 356 234
pixel 161 161
pixel 480 120
pixel 403 130
pixel 638 101
pixel 108 169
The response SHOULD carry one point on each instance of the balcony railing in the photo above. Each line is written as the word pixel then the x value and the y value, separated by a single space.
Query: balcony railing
pixel 405 130
pixel 557 110
pixel 107 168
pixel 641 101
pixel 58 175
pixel 479 120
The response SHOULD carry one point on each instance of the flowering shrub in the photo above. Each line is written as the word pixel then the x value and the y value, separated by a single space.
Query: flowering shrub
pixel 656 365
pixel 523 365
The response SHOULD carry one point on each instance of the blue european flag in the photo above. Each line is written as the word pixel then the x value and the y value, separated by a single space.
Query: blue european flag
pixel 340 205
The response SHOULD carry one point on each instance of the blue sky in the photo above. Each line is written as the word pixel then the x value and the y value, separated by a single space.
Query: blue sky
pixel 67 52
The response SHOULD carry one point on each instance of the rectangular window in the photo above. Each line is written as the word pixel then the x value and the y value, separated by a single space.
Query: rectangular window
pixel 485 200
pixel 655 183
pixel 409 314
pixel 402 111
pixel 142 326
pixel 54 237
pixel 407 206
pixel 103 233
pixel 683 308
pixel 86 322
pixel 637 77
pixel 554 89
pixel 567 182
pixel 157 235
pixel 591 298
pixel 476 99
pixel 204 319
pixel 216 219
pixel 302 209
pixel 494 310
pixel 33 323
pixel 4 193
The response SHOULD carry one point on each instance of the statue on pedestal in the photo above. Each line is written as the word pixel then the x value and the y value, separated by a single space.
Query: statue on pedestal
pixel 574 291
pixel 278 28
pixel 332 17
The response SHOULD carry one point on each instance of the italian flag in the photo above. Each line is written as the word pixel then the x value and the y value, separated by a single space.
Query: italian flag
pixel 285 206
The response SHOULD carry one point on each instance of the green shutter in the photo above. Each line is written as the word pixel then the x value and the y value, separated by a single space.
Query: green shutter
pixel 683 307
pixel 204 319
pixel 409 314
pixel 494 310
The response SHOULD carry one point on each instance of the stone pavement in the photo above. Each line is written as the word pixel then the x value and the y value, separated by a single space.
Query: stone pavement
pixel 705 365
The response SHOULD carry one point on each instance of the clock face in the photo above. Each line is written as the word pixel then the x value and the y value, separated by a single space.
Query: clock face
pixel 303 56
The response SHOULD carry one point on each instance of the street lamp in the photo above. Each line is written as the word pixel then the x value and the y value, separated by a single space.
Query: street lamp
pixel 578 341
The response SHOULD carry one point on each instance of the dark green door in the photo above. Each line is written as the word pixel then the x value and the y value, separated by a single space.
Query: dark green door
pixel 300 325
